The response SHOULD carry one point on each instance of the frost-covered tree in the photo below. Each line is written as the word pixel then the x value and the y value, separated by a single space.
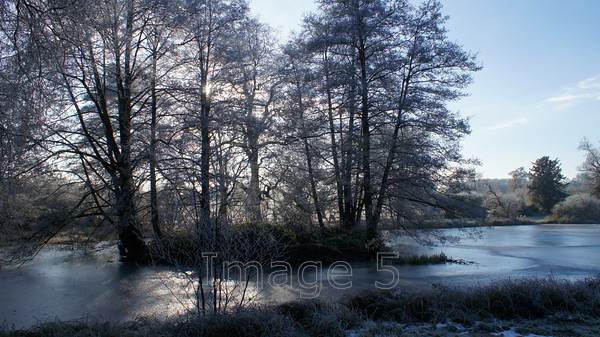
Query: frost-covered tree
pixel 590 168
pixel 577 208
pixel 255 88
pixel 388 71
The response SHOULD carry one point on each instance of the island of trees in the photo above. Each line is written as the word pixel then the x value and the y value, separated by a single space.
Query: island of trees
pixel 148 118
pixel 138 120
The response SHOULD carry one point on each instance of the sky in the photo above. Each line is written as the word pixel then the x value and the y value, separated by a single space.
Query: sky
pixel 538 93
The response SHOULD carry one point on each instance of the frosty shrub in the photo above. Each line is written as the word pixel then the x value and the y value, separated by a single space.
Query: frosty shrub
pixel 505 205
pixel 577 208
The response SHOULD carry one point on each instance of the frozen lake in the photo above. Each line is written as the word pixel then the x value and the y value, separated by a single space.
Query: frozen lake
pixel 61 284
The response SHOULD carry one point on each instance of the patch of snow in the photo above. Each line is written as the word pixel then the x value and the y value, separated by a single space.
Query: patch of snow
pixel 458 326
pixel 513 333
pixel 365 327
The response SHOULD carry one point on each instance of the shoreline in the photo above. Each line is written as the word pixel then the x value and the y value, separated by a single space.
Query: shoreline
pixel 548 306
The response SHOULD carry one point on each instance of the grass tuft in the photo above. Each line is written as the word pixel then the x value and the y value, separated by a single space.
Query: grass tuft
pixel 423 259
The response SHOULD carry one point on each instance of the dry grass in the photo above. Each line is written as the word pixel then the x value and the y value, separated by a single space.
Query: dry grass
pixel 543 306
pixel 510 299
pixel 423 259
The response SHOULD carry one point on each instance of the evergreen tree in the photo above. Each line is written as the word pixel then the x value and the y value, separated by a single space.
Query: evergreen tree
pixel 546 187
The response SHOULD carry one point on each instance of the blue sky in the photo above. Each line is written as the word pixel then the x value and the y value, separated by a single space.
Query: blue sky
pixel 539 91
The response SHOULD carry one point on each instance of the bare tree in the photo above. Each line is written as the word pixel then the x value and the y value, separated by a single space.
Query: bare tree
pixel 210 24
pixel 35 199
pixel 255 85
pixel 401 69
pixel 591 167
pixel 300 103
pixel 99 61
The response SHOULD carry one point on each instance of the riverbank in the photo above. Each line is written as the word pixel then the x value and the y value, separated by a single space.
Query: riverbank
pixel 487 222
pixel 331 244
pixel 544 307
pixel 300 244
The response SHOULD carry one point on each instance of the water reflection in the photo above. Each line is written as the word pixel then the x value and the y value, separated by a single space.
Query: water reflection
pixel 69 285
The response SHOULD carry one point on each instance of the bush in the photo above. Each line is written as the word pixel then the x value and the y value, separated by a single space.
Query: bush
pixel 319 317
pixel 505 205
pixel 327 244
pixel 577 208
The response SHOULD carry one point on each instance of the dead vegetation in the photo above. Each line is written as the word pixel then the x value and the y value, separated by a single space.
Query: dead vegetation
pixel 542 306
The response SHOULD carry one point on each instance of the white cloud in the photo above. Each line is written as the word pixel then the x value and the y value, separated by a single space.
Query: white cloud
pixel 588 89
pixel 589 83
pixel 563 98
pixel 508 124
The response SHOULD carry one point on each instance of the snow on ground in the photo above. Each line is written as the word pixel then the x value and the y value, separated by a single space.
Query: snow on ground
pixel 370 327
pixel 513 333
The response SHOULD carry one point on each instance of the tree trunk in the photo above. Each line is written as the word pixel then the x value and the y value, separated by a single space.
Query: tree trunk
pixel 307 153
pixel 350 207
pixel 313 183
pixel 223 209
pixel 366 146
pixel 205 157
pixel 154 219
pixel 131 244
pixel 334 147
pixel 393 146
pixel 255 215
